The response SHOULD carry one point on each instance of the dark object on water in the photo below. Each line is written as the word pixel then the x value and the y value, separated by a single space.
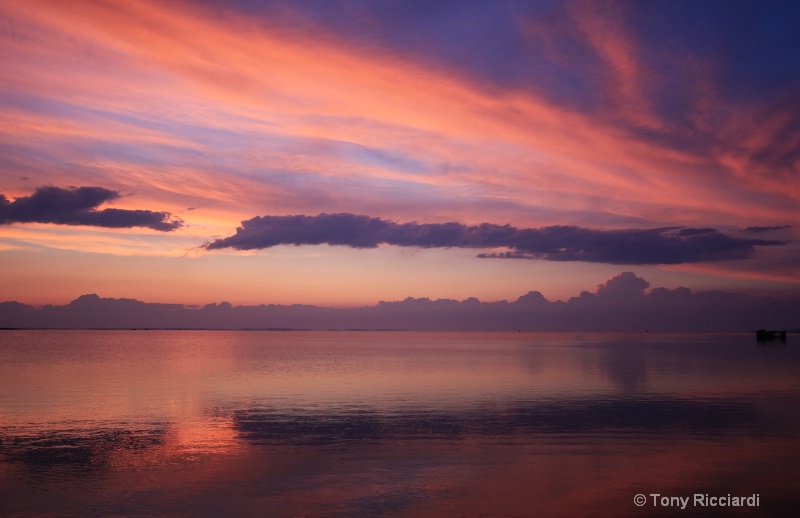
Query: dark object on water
pixel 762 335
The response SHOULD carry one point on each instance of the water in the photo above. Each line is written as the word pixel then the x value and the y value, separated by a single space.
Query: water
pixel 220 423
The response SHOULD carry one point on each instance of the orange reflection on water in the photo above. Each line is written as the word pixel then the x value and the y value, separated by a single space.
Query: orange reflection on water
pixel 391 424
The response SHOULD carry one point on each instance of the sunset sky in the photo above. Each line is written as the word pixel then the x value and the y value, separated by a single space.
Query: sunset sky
pixel 344 153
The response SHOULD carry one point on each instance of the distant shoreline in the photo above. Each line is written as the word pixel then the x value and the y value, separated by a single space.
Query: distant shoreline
pixel 291 329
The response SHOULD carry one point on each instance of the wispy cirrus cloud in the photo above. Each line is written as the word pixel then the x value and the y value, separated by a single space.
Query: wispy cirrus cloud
pixel 266 101
pixel 614 116
pixel 79 206
pixel 667 245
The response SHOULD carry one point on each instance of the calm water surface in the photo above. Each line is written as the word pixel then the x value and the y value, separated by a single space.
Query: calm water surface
pixel 219 423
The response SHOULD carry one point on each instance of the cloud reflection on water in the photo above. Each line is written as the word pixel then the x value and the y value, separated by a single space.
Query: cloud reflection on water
pixel 391 424
pixel 512 422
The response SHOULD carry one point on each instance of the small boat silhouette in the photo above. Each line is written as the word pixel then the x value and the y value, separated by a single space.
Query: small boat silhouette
pixel 762 335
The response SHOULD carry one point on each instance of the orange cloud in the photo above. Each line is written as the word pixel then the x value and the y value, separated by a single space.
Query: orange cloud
pixel 196 108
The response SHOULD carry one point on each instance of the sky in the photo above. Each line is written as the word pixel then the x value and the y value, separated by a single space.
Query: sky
pixel 345 153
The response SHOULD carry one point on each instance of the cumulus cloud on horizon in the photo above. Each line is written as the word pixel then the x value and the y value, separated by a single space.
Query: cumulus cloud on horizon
pixel 666 245
pixel 78 206
pixel 621 303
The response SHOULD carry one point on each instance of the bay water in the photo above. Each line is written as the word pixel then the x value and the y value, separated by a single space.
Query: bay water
pixel 374 423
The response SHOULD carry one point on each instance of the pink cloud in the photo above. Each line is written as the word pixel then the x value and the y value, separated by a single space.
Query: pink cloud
pixel 242 117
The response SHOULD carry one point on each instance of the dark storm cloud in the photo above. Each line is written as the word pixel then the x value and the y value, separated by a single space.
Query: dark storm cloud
pixel 669 245
pixel 78 206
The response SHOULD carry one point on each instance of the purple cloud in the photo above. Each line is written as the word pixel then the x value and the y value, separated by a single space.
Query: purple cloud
pixel 78 206
pixel 623 302
pixel 625 286
pixel 761 230
pixel 667 245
